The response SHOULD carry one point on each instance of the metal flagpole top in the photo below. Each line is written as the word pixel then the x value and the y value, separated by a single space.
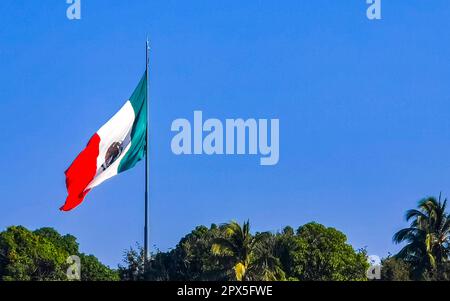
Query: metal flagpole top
pixel 148 50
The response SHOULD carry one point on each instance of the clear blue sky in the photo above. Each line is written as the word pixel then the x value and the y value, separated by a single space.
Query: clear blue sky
pixel 363 108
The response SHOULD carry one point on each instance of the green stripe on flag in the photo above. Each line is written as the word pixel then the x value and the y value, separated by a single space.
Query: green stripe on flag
pixel 139 132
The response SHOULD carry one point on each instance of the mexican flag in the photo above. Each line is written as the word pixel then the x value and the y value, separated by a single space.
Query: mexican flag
pixel 116 147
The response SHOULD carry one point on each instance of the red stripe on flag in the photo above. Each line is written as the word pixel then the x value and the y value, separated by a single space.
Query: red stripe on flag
pixel 81 173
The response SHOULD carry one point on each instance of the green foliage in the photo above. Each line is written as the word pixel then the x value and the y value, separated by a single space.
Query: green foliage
pixel 41 256
pixel 231 252
pixel 395 269
pixel 27 256
pixel 191 260
pixel 264 264
pixel 134 265
pixel 235 244
pixel 66 242
pixel 252 257
pixel 427 240
pixel 194 259
pixel 93 270
pixel 317 253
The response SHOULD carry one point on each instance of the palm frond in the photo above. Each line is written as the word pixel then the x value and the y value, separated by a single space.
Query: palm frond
pixel 222 246
pixel 414 213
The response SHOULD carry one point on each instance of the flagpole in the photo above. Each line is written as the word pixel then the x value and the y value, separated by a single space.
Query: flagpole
pixel 146 250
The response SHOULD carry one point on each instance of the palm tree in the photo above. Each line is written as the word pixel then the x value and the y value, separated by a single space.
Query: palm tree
pixel 265 265
pixel 428 236
pixel 236 244
pixel 250 255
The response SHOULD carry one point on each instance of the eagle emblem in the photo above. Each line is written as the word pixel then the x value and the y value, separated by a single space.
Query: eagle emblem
pixel 114 151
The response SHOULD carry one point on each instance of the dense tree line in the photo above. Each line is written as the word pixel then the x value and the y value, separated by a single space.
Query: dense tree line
pixel 313 252
pixel 232 251
pixel 41 255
